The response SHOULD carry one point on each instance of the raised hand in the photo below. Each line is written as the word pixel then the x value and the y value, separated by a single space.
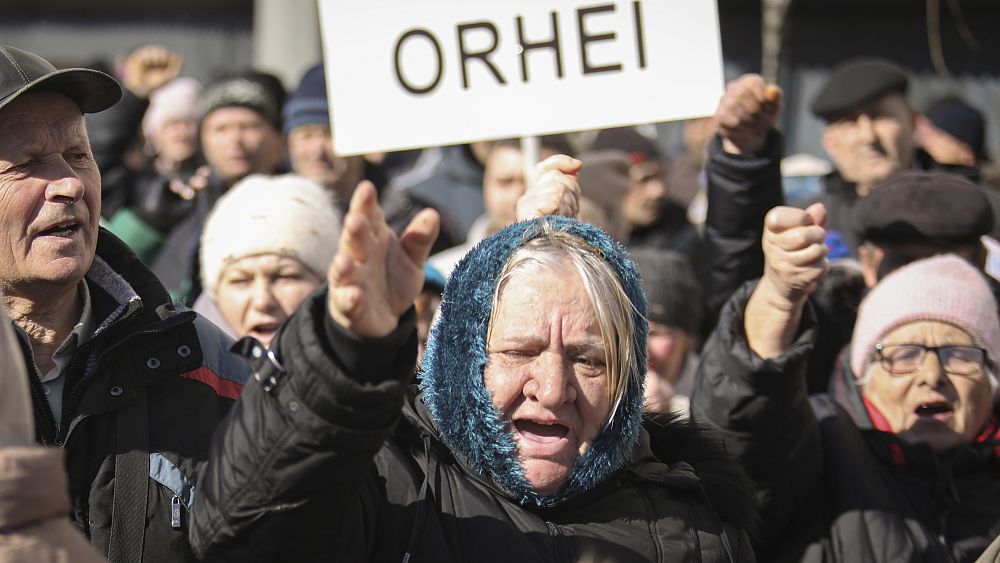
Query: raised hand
pixel 148 68
pixel 794 260
pixel 746 112
pixel 375 276
pixel 555 190
pixel 795 251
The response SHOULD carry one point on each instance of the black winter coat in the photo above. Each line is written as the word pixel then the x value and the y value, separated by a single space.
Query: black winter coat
pixel 833 488
pixel 144 350
pixel 331 458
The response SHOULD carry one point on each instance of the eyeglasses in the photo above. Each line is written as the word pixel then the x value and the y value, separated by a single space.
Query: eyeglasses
pixel 902 359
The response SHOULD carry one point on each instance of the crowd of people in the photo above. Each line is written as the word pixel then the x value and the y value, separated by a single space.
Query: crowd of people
pixel 223 341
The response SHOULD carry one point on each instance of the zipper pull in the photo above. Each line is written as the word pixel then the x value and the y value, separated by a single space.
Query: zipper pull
pixel 175 512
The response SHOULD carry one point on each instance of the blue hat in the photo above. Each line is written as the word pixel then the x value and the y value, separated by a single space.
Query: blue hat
pixel 308 104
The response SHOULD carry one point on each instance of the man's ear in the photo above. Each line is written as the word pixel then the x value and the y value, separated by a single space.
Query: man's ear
pixel 870 257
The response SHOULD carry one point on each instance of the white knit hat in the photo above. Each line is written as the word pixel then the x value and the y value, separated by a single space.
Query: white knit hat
pixel 943 288
pixel 287 215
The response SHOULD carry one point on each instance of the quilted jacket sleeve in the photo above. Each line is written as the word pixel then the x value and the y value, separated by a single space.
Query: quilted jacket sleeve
pixel 741 190
pixel 761 409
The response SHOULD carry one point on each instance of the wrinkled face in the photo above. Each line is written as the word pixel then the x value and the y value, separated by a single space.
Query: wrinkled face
pixel 176 139
pixel 666 348
pixel 547 371
pixel 647 194
pixel 50 194
pixel 871 143
pixel 238 141
pixel 257 293
pixel 310 148
pixel 503 185
pixel 931 406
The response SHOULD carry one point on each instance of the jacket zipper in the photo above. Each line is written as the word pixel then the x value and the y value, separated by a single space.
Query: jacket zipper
pixel 557 537
pixel 50 428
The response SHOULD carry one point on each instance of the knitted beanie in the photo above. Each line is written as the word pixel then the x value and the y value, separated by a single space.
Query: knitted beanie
pixel 287 215
pixel 308 104
pixel 178 99
pixel 673 292
pixel 943 288
pixel 258 91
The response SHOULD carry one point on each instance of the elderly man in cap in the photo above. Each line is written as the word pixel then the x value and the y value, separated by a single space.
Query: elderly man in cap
pixel 129 385
pixel 240 134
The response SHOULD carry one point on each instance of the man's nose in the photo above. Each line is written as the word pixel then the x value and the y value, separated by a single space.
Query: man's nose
pixel 551 384
pixel 866 128
pixel 65 186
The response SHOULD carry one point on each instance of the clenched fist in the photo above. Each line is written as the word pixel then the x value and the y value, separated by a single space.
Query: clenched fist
pixel 795 251
pixel 555 190
pixel 747 112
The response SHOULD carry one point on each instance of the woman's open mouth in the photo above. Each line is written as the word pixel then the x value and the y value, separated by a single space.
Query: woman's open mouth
pixel 936 410
pixel 542 432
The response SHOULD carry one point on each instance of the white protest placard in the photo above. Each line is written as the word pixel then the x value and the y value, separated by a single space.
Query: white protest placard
pixel 439 72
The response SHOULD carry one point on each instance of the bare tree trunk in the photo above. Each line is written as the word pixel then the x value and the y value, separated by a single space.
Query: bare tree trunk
pixel 772 37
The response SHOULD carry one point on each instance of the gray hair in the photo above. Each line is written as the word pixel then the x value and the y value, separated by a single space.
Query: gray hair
pixel 611 304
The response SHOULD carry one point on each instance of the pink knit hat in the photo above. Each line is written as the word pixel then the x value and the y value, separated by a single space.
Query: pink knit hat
pixel 178 99
pixel 943 288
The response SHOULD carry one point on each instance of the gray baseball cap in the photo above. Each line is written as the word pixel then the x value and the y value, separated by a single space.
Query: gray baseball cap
pixel 22 72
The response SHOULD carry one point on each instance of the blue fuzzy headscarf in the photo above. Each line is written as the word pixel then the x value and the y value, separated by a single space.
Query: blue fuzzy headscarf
pixel 456 355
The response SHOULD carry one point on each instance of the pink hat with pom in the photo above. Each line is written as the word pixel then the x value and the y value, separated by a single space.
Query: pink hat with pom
pixel 943 288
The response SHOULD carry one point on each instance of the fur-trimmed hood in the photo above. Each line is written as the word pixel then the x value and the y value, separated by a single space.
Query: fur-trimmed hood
pixel 456 355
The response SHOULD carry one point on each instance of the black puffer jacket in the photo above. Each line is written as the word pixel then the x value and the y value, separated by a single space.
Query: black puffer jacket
pixel 336 459
pixel 348 466
pixel 834 488
pixel 142 399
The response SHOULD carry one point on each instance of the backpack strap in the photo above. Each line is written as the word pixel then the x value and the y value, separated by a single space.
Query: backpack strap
pixel 128 509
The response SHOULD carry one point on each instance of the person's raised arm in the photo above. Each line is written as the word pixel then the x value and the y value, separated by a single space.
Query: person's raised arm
pixel 744 182
pixel 751 383
pixel 375 276
pixel 299 450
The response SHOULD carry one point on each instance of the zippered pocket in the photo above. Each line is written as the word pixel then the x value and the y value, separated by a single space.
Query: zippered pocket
pixel 166 473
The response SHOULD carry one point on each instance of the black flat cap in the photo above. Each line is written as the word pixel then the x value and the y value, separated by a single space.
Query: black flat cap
pixel 923 206
pixel 856 82
pixel 22 72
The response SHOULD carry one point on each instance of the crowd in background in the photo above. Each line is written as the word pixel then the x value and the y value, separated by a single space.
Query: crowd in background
pixel 830 320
